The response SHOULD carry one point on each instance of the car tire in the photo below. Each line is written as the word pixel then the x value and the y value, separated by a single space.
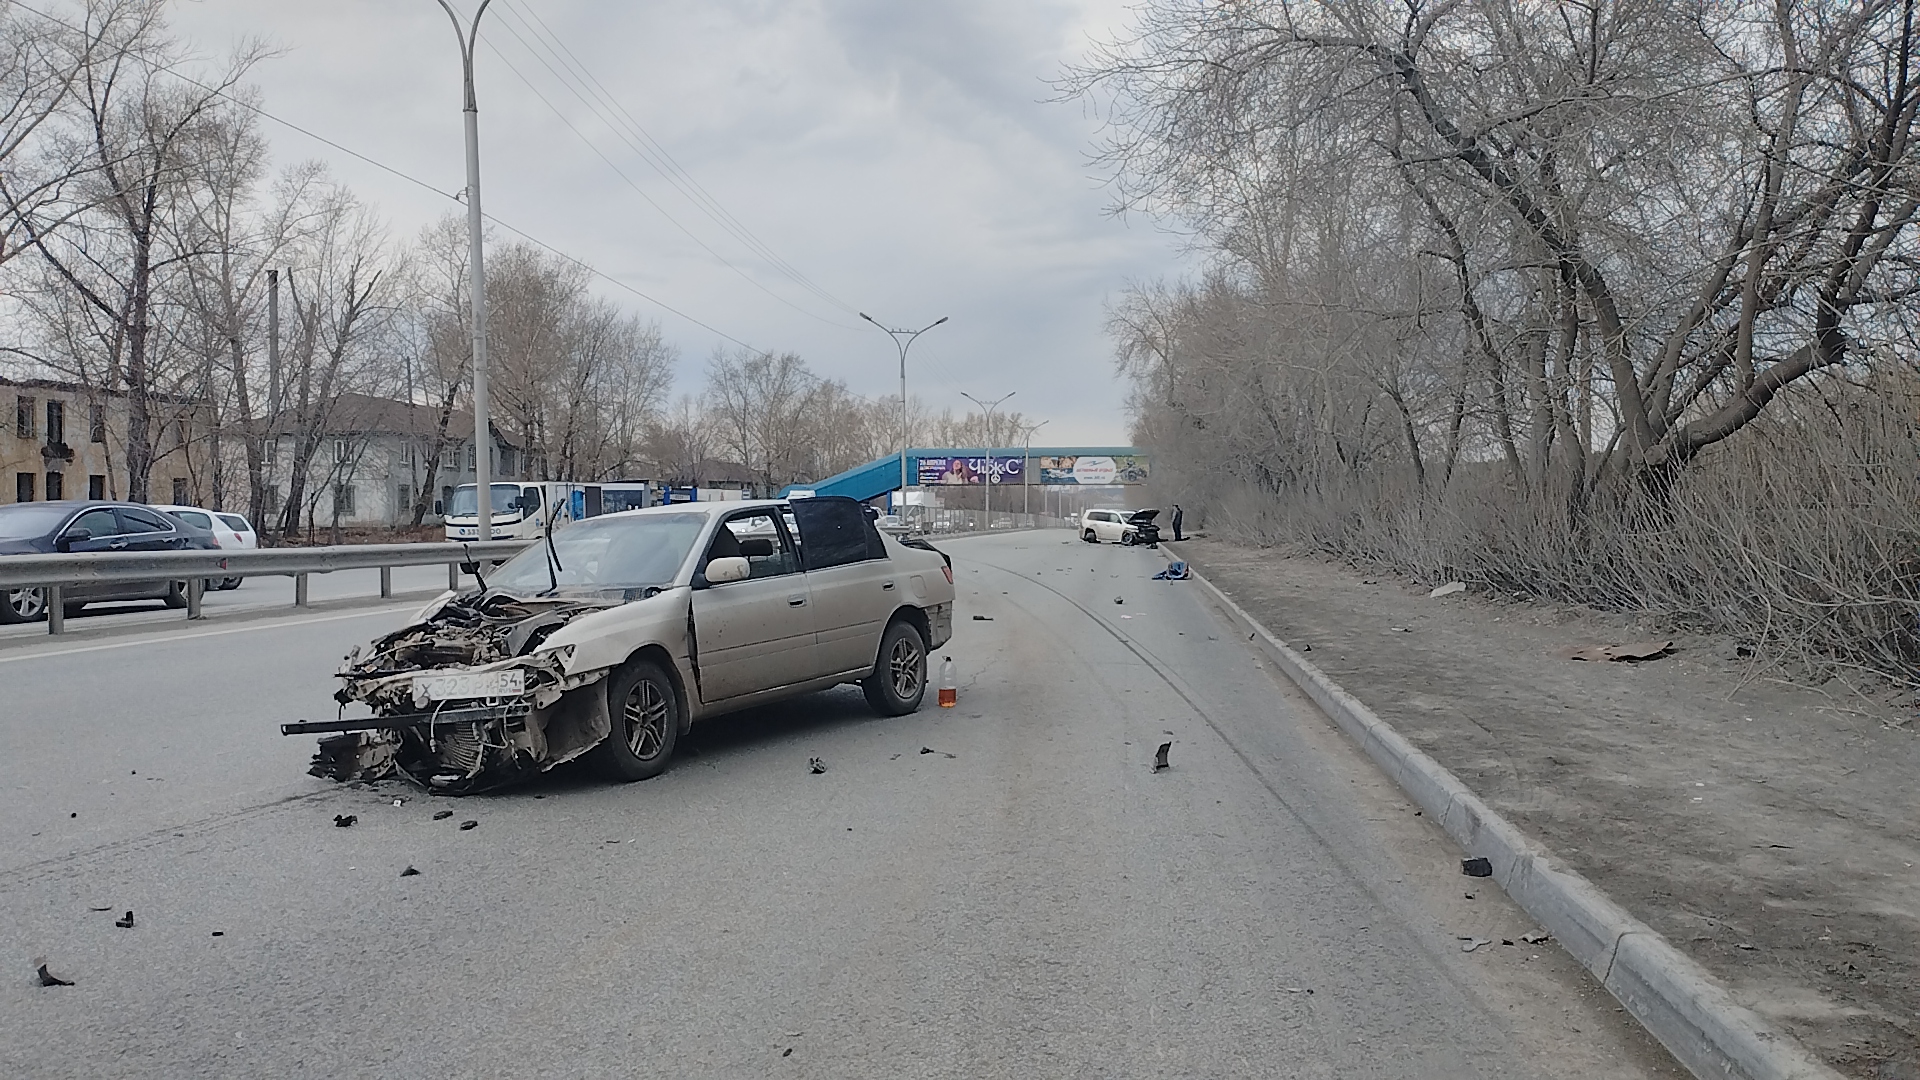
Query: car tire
pixel 899 679
pixel 1090 537
pixel 230 584
pixel 1126 539
pixel 23 605
pixel 176 594
pixel 645 710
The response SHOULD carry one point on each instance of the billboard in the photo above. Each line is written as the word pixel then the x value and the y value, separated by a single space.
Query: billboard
pixel 955 471
pixel 1092 471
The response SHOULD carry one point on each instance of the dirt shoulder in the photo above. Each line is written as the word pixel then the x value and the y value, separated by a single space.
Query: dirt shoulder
pixel 1770 831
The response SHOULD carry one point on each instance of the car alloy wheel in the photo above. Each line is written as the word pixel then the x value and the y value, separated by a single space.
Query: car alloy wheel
pixel 904 665
pixel 647 712
pixel 26 605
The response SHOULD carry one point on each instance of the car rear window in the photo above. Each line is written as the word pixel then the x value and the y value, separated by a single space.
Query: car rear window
pixel 194 518
pixel 236 522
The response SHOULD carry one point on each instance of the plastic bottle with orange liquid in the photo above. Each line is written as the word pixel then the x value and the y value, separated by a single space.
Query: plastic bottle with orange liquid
pixel 949 686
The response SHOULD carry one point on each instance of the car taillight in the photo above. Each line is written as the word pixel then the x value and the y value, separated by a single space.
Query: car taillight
pixel 948 570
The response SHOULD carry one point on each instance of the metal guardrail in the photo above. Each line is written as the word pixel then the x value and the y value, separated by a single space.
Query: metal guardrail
pixel 59 572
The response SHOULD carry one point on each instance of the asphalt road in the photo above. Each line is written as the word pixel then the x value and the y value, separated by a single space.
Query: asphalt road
pixel 1028 899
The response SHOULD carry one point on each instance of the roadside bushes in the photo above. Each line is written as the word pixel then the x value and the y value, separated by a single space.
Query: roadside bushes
pixel 1801 539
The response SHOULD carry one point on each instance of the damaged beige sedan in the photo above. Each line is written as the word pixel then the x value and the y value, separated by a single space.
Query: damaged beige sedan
pixel 610 638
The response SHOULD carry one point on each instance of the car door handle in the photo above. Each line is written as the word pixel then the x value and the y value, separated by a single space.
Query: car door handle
pixel 796 601
pixel 887 586
pixel 117 545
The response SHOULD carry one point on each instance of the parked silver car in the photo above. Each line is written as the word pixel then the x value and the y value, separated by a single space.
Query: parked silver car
pixel 616 635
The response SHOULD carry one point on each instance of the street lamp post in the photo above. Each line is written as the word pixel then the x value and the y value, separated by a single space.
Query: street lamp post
pixel 987 408
pixel 1026 478
pixel 903 340
pixel 477 275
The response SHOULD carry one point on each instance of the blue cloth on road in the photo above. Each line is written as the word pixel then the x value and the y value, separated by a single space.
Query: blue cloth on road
pixel 1175 571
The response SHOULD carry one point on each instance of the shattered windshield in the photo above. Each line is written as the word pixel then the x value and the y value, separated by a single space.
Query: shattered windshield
pixel 607 553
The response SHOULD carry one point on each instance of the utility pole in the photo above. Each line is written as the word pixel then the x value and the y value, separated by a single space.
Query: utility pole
pixel 477 274
pixel 903 346
pixel 987 408
pixel 1026 477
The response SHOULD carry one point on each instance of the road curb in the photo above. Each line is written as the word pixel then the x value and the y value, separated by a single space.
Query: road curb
pixel 1686 1008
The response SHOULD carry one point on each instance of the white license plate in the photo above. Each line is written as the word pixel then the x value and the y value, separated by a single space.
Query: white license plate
pixel 472 684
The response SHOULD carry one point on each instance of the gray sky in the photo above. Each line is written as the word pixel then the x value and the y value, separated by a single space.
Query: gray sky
pixel 899 155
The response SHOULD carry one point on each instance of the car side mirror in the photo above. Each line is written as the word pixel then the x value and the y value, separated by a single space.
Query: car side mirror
pixel 72 537
pixel 470 568
pixel 438 508
pixel 722 571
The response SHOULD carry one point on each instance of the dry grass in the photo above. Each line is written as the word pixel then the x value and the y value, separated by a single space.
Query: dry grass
pixel 1799 537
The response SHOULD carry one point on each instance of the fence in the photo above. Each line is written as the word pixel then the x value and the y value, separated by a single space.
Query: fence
pixel 58 573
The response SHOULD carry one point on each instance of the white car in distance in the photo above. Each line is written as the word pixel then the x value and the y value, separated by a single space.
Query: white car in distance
pixel 230 531
pixel 1103 525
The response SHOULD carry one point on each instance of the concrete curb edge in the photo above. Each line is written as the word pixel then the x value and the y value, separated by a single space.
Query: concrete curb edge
pixel 1685 1007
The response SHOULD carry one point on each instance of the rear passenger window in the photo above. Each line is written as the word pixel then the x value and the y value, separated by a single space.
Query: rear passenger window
pixel 140 521
pixel 835 531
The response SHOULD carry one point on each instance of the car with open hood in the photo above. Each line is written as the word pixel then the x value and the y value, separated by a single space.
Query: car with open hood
pixel 608 639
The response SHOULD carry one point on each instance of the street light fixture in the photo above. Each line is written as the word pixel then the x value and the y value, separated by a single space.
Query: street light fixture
pixel 1026 477
pixel 987 408
pixel 477 274
pixel 903 346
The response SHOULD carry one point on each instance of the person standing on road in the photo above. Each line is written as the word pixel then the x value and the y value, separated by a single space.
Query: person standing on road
pixel 1179 515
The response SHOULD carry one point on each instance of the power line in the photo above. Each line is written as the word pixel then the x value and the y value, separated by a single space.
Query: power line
pixel 638 190
pixel 651 151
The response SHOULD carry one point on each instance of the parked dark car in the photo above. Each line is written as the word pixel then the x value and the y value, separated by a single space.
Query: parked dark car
pixel 84 526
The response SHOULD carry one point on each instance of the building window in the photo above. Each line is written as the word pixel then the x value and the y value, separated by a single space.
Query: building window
pixel 470 459
pixel 341 450
pixel 23 487
pixel 507 460
pixel 409 456
pixel 403 501
pixel 96 486
pixel 270 500
pixel 56 423
pixel 96 424
pixel 23 420
pixel 450 456
pixel 56 486
pixel 343 500
pixel 446 498
pixel 180 491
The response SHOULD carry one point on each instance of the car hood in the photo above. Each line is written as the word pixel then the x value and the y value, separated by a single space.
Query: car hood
pixel 1142 517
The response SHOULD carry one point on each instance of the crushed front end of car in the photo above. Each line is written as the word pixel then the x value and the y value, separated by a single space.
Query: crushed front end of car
pixel 468 699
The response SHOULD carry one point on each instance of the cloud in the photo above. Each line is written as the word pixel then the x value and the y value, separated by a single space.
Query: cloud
pixel 902 156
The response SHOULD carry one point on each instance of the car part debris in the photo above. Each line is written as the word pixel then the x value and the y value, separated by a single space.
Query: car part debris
pixel 983 618
pixel 1473 943
pixel 344 821
pixel 1538 937
pixel 1160 757
pixel 466 699
pixel 1631 653
pixel 1451 588
pixel 1476 867
pixel 219 933
pixel 48 978
pixel 442 815
pixel 816 766
pixel 469 824
pixel 108 907
pixel 124 922
pixel 410 872
pixel 1119 600
pixel 942 753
